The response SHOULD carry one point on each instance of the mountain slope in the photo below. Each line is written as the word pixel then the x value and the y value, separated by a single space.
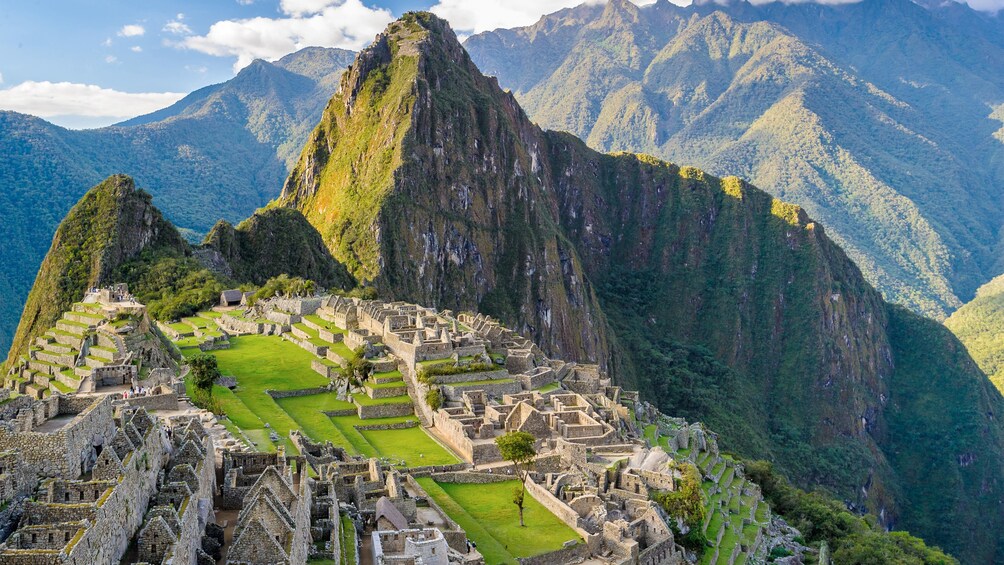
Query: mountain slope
pixel 716 300
pixel 112 224
pixel 270 243
pixel 798 99
pixel 221 152
pixel 979 324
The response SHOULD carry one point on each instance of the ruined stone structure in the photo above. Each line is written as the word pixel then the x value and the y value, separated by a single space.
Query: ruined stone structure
pixel 92 519
pixel 172 530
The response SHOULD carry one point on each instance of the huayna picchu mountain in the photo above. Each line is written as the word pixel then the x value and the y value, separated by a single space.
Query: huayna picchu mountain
pixel 717 301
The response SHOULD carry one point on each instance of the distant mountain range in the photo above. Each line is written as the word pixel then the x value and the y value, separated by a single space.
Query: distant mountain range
pixel 882 118
pixel 219 153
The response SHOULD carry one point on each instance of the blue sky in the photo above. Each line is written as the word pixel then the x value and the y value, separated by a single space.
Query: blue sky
pixel 88 63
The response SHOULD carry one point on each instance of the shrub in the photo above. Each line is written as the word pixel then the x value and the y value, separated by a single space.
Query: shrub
pixel 434 398
pixel 427 375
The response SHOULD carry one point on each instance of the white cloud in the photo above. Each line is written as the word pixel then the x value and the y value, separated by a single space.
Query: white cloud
pixel 111 59
pixel 177 28
pixel 485 15
pixel 302 7
pixel 136 49
pixel 326 23
pixel 73 100
pixel 1 78
pixel 245 2
pixel 132 30
pixel 107 42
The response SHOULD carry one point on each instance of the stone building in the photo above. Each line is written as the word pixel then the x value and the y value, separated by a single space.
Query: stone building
pixel 274 524
pixel 92 519
pixel 172 530
pixel 59 436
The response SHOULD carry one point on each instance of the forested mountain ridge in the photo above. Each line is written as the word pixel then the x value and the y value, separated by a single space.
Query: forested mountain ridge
pixel 221 152
pixel 717 301
pixel 980 325
pixel 873 116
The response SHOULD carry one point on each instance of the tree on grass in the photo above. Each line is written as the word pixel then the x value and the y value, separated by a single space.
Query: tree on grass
pixel 205 371
pixel 357 370
pixel 518 448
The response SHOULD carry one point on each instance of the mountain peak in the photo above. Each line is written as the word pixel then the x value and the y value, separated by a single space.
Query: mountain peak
pixel 112 223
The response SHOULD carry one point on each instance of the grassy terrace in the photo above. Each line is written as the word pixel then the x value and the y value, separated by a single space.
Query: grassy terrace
pixel 489 517
pixel 386 384
pixel 315 319
pixel 394 375
pixel 263 363
pixel 483 382
pixel 364 400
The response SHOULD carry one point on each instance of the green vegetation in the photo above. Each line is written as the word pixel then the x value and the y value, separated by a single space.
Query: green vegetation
pixel 205 372
pixel 95 238
pixel 979 324
pixel 273 242
pixel 797 109
pixel 347 541
pixel 518 448
pixel 488 516
pixel 284 285
pixel 687 503
pixel 427 373
pixel 434 398
pixel 852 539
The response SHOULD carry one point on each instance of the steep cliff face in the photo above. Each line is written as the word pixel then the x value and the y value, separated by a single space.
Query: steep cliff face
pixel 839 108
pixel 425 179
pixel 113 223
pixel 716 300
pixel 272 242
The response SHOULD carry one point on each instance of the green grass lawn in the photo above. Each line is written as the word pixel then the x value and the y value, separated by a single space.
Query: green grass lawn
pixel 365 400
pixel 413 445
pixel 347 541
pixel 549 387
pixel 308 412
pixel 387 384
pixel 261 363
pixel 489 517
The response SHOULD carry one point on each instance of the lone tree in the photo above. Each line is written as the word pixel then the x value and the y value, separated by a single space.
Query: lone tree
pixel 518 448
pixel 204 371
pixel 357 370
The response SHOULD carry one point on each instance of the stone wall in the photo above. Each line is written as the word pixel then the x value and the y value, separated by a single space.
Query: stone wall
pixel 495 389
pixel 163 401
pixel 68 451
pixel 368 411
pixel 471 376
pixel 277 394
pixel 575 553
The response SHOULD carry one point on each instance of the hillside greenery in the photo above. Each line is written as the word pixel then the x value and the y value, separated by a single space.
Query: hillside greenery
pixel 799 100
pixel 717 301
pixel 852 539
pixel 979 324
pixel 112 224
